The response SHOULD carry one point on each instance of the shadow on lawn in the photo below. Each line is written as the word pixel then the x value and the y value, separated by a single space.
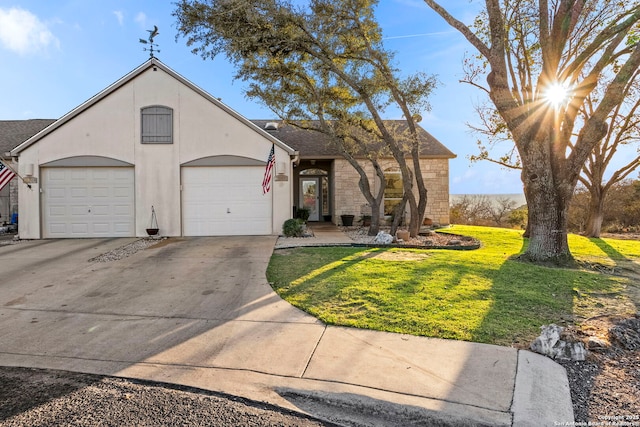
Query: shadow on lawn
pixel 487 296
pixel 527 296
pixel 622 265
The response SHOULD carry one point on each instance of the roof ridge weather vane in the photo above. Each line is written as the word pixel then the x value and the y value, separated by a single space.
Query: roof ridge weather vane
pixel 152 33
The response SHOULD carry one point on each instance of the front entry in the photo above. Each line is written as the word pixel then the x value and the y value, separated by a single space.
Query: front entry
pixel 310 196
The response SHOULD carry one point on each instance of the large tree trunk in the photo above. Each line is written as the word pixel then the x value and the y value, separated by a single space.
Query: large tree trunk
pixel 377 201
pixel 548 201
pixel 596 212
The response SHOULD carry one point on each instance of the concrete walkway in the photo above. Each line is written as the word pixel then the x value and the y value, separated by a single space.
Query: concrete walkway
pixel 199 312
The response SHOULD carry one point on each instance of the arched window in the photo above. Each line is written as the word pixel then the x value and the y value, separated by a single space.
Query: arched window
pixel 157 125
pixel 313 171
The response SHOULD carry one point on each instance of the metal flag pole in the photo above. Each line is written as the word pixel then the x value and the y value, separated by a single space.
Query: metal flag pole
pixel 6 165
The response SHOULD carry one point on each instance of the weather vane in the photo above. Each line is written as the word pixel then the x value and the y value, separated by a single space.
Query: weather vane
pixel 152 34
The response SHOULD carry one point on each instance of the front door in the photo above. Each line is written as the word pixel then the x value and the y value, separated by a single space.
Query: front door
pixel 310 197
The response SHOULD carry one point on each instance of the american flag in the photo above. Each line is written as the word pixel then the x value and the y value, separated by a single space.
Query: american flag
pixel 268 171
pixel 6 175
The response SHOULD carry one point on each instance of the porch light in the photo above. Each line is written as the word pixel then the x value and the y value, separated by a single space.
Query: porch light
pixel 281 168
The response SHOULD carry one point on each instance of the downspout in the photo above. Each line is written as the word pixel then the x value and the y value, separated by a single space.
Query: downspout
pixel 295 158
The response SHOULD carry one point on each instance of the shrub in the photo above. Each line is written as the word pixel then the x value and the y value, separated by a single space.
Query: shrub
pixel 293 227
pixel 303 214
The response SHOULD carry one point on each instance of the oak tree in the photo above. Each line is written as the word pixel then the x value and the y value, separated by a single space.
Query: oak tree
pixel 544 59
pixel 323 65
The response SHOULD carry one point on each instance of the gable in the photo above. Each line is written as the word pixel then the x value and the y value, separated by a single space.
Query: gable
pixel 153 83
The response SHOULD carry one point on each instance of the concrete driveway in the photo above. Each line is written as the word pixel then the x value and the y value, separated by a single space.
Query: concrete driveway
pixel 199 312
pixel 197 301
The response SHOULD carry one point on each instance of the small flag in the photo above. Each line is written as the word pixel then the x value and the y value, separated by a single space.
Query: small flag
pixel 268 171
pixel 6 175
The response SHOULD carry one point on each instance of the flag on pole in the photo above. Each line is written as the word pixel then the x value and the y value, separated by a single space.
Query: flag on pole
pixel 268 171
pixel 6 175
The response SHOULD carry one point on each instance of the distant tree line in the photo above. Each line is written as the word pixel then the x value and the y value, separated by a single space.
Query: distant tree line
pixel 501 211
pixel 621 210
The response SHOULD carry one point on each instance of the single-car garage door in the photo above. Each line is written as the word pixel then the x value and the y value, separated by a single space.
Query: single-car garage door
pixel 225 201
pixel 88 202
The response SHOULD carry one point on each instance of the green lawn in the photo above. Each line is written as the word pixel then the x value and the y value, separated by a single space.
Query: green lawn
pixel 481 295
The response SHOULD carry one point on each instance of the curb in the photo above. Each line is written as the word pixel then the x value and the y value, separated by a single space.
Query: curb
pixel 534 404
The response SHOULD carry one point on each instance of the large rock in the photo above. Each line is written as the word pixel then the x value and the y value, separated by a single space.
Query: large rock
pixel 383 238
pixel 550 344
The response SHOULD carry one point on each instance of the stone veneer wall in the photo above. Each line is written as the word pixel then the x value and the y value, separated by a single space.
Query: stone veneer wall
pixel 13 197
pixel 348 198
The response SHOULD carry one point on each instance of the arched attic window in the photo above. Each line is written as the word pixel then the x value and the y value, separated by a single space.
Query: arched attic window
pixel 157 125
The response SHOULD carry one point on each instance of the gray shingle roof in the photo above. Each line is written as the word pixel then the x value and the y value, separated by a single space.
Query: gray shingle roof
pixel 313 144
pixel 15 132
pixel 310 144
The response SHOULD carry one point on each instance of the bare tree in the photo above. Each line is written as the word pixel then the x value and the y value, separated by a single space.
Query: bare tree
pixel 624 129
pixel 500 209
pixel 470 209
pixel 543 61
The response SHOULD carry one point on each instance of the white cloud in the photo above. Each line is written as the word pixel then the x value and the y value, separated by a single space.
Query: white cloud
pixel 21 31
pixel 141 19
pixel 469 175
pixel 120 16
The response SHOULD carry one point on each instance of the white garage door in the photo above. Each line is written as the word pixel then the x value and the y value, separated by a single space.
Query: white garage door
pixel 225 201
pixel 88 202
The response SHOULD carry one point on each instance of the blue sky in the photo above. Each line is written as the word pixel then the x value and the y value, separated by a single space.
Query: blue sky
pixel 56 54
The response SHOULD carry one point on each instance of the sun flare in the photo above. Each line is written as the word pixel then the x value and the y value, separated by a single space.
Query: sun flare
pixel 557 94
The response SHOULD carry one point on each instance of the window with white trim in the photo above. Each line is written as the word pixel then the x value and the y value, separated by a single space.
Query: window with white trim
pixel 157 125
pixel 393 190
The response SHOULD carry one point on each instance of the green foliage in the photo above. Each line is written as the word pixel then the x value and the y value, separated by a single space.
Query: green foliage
pixel 293 227
pixel 303 214
pixel 321 66
pixel 518 217
pixel 483 295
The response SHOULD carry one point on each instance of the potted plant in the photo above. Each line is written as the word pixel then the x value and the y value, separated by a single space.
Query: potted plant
pixel 303 214
pixel 153 228
pixel 347 220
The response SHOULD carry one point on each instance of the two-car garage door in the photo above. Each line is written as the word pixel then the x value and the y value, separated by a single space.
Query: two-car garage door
pixel 88 202
pixel 100 201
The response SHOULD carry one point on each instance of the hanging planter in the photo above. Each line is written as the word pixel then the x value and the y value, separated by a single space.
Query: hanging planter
pixel 153 228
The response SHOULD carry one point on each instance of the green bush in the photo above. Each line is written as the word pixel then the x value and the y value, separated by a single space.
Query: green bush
pixel 303 214
pixel 292 227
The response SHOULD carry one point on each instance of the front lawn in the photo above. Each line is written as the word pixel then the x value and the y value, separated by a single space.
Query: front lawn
pixel 480 295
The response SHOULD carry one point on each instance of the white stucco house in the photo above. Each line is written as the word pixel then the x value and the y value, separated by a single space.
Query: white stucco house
pixel 152 139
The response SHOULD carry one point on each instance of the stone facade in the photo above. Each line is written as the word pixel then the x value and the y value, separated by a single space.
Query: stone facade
pixel 348 198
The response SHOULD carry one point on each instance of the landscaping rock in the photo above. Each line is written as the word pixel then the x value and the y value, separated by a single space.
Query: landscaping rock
pixel 627 334
pixel 383 238
pixel 454 242
pixel 596 344
pixel 550 344
pixel 306 231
